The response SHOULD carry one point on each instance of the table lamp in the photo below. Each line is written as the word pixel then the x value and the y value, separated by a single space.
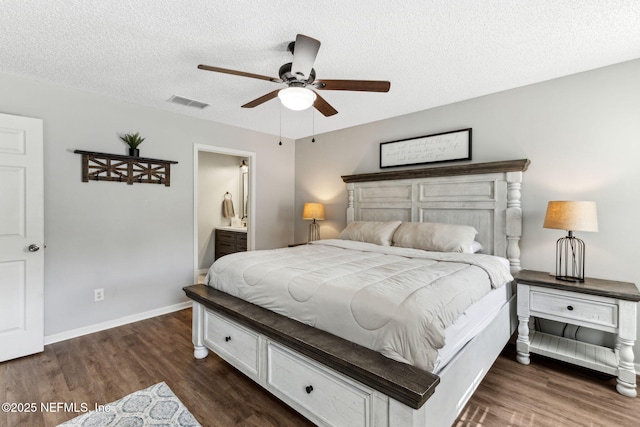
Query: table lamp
pixel 571 216
pixel 313 211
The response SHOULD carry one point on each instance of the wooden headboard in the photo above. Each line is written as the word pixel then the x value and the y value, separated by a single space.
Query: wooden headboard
pixel 483 195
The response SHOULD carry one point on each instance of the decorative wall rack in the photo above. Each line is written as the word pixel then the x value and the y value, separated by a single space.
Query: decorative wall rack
pixel 114 167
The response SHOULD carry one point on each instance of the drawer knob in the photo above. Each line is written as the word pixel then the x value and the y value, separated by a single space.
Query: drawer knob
pixel 227 339
pixel 570 307
pixel 309 389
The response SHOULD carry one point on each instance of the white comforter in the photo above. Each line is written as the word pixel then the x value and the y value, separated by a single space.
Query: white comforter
pixel 393 300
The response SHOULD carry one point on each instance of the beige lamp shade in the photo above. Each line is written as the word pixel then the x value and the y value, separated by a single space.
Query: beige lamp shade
pixel 313 211
pixel 571 216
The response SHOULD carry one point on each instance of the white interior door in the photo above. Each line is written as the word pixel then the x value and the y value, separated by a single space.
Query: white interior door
pixel 21 237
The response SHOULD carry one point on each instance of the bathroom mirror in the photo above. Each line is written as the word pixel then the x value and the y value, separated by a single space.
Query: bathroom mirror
pixel 244 192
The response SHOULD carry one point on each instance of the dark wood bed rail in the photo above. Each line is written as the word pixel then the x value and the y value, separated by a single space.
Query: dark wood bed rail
pixel 405 383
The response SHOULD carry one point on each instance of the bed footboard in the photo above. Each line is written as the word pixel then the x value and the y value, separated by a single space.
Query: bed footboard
pixel 332 381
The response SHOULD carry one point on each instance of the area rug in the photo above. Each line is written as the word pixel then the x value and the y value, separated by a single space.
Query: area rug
pixel 154 406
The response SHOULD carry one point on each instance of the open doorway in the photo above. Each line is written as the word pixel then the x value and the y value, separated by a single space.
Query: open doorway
pixel 224 198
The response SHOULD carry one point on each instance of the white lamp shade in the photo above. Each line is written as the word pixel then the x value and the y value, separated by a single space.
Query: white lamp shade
pixel 313 211
pixel 297 98
pixel 571 216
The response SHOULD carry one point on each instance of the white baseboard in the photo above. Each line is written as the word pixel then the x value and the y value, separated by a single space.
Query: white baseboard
pixel 85 330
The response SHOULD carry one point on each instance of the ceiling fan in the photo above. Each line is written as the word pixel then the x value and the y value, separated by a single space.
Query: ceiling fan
pixel 300 77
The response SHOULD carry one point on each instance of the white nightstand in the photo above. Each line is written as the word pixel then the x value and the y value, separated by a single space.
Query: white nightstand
pixel 598 304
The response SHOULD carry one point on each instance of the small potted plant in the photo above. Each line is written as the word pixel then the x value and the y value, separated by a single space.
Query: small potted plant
pixel 132 140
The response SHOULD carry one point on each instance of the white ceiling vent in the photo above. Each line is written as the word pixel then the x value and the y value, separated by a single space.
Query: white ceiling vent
pixel 188 102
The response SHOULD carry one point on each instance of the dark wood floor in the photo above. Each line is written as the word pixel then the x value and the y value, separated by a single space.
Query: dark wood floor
pixel 105 366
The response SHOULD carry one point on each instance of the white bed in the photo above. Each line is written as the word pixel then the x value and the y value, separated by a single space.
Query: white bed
pixel 473 321
pixel 395 300
pixel 485 196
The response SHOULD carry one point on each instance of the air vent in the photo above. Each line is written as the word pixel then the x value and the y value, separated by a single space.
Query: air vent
pixel 188 102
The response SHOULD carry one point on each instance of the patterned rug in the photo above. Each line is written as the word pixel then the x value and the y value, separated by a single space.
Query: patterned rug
pixel 154 406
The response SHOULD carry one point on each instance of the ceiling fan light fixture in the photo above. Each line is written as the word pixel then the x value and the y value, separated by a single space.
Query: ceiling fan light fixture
pixel 297 98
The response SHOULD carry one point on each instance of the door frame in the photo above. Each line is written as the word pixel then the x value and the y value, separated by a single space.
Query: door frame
pixel 251 232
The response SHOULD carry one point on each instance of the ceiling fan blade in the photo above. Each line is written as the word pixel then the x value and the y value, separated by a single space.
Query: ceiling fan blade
pixel 323 106
pixel 304 55
pixel 262 99
pixel 355 85
pixel 238 73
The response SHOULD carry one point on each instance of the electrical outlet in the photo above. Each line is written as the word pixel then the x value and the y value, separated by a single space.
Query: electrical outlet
pixel 98 294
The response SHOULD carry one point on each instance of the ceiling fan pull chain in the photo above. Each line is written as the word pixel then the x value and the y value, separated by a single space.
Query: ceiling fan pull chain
pixel 313 126
pixel 280 143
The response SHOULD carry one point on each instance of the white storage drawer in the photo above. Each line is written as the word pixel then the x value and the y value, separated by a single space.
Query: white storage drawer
pixel 571 308
pixel 332 399
pixel 231 339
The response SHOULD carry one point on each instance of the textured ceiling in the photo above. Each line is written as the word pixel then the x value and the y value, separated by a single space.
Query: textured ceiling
pixel 433 52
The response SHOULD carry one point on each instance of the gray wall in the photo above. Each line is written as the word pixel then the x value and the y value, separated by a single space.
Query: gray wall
pixel 136 242
pixel 581 133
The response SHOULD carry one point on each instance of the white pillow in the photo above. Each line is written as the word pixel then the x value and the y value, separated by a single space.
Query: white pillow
pixel 433 236
pixel 378 232
pixel 475 248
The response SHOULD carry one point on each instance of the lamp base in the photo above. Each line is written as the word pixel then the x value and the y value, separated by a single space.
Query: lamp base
pixel 314 231
pixel 570 259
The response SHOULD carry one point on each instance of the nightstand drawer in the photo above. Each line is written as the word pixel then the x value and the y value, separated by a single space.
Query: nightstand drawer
pixel 571 308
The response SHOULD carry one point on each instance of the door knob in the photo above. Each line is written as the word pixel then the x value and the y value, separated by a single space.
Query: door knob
pixel 34 248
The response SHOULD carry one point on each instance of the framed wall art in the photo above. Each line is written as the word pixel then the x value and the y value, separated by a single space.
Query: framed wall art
pixel 440 147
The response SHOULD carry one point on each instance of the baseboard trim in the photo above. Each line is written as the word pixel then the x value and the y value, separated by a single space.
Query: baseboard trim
pixel 86 330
